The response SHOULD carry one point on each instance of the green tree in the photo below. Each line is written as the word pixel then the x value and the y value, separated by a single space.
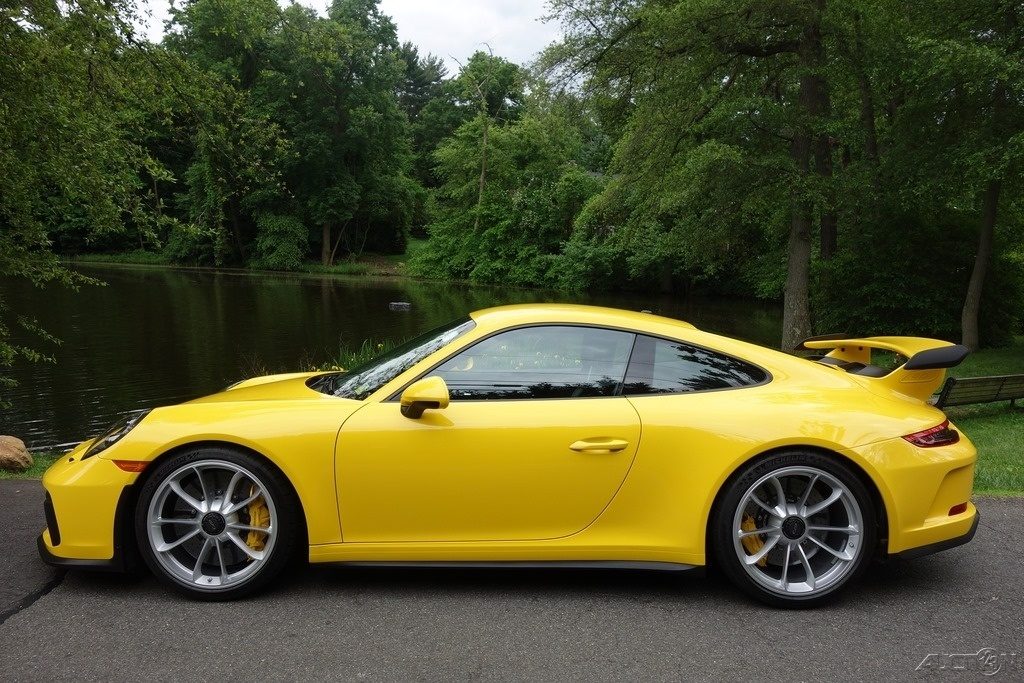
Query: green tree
pixel 927 140
pixel 512 230
pixel 968 97
pixel 702 87
pixel 494 86
pixel 423 80
pixel 237 152
pixel 332 88
pixel 433 113
pixel 70 157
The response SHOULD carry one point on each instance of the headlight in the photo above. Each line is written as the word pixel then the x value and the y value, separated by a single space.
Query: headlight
pixel 115 433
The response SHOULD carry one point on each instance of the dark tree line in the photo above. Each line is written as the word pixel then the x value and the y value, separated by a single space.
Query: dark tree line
pixel 876 144
pixel 859 161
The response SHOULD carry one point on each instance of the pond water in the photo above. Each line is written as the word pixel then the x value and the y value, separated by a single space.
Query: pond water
pixel 153 336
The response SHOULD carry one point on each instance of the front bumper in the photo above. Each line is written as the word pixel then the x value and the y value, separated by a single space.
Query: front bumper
pixel 43 545
pixel 85 509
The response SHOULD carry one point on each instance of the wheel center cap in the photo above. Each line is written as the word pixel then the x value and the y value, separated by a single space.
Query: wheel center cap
pixel 213 523
pixel 793 528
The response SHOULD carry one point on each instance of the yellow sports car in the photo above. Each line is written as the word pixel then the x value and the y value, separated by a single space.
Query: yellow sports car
pixel 537 435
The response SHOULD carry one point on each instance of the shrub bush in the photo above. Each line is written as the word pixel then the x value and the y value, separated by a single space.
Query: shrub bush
pixel 281 243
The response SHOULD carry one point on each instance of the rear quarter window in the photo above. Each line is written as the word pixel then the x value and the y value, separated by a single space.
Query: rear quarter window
pixel 661 366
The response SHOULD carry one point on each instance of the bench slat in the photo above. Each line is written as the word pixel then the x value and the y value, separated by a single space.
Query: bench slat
pixel 975 392
pixel 967 390
pixel 981 386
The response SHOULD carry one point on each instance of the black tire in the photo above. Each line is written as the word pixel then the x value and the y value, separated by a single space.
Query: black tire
pixel 733 504
pixel 289 536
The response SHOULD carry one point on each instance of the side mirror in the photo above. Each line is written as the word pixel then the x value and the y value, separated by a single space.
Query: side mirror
pixel 429 393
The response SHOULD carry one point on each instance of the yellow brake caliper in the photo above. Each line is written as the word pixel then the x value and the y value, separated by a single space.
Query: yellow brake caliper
pixel 259 515
pixel 752 543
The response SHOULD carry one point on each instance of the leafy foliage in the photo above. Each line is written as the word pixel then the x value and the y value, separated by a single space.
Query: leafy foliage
pixel 281 242
pixel 856 296
pixel 783 148
pixel 70 159
pixel 861 161
pixel 511 231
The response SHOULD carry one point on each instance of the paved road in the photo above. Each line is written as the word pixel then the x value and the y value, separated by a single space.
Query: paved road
pixel 22 573
pixel 363 623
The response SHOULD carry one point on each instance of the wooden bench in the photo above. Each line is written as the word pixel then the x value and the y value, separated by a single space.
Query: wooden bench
pixel 959 391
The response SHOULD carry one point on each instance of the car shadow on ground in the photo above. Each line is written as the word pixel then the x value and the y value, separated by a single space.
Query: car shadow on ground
pixel 882 581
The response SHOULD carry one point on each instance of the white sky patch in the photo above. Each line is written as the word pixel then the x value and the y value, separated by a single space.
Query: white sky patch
pixel 450 29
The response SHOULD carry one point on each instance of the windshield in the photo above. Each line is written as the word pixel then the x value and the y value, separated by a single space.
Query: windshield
pixel 361 381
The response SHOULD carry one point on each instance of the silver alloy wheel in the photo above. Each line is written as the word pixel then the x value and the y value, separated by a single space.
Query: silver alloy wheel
pixel 199 522
pixel 797 531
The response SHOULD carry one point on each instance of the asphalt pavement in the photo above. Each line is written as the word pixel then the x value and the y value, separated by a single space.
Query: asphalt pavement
pixel 957 615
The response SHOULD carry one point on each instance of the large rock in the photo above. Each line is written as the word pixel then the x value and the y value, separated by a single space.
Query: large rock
pixel 13 454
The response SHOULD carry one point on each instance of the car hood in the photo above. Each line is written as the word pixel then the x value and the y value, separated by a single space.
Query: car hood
pixel 283 387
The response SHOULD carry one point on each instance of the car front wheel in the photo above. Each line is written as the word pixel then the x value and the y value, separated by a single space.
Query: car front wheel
pixel 794 529
pixel 216 524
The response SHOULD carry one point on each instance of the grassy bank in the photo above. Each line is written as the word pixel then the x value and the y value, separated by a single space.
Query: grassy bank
pixel 40 461
pixel 996 429
pixel 1008 360
pixel 378 265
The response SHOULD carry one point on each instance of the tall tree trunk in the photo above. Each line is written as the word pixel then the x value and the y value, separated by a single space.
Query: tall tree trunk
pixel 157 208
pixel 970 336
pixel 972 302
pixel 326 257
pixel 337 242
pixel 812 103
pixel 796 313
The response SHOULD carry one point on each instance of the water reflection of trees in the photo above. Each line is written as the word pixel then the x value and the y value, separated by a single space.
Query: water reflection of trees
pixel 479 389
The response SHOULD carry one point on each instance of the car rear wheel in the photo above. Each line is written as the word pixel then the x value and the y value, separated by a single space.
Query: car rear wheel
pixel 216 524
pixel 794 529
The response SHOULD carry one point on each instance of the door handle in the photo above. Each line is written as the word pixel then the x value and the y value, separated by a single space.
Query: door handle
pixel 599 445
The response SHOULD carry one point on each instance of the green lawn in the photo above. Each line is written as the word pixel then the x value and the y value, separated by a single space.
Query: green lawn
pixel 367 264
pixel 996 429
pixel 340 268
pixel 40 461
pixel 998 432
pixel 137 257
pixel 1008 360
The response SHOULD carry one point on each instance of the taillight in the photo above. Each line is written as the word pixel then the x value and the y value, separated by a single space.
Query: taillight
pixel 939 435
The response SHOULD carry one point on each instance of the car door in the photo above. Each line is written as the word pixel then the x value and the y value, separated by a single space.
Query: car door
pixel 534 444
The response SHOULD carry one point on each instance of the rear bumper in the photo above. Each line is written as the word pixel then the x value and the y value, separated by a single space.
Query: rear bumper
pixel 921 490
pixel 939 546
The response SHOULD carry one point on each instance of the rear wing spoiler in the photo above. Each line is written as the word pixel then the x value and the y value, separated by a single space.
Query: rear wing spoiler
pixel 918 377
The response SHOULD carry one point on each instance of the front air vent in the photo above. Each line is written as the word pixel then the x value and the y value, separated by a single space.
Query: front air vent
pixel 51 521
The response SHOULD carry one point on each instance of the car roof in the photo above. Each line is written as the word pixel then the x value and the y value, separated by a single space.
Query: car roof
pixel 491 320
pixel 521 314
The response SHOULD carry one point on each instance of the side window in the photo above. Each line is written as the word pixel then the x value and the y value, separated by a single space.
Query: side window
pixel 540 362
pixel 659 366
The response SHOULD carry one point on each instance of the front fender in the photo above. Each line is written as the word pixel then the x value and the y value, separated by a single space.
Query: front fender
pixel 298 437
